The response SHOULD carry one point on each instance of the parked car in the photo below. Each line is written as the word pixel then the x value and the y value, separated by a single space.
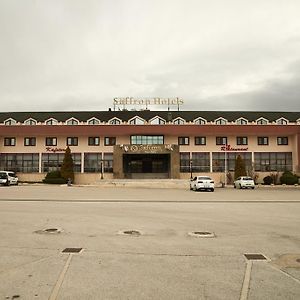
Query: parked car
pixel 4 178
pixel 11 177
pixel 202 183
pixel 244 182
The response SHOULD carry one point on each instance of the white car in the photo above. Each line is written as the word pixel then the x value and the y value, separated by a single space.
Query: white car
pixel 202 183
pixel 244 182
pixel 9 178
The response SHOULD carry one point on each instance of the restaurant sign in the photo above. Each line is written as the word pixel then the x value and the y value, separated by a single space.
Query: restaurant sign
pixel 229 148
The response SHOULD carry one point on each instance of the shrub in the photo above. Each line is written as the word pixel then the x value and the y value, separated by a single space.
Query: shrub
pixel 268 180
pixel 240 168
pixel 54 177
pixel 67 166
pixel 288 178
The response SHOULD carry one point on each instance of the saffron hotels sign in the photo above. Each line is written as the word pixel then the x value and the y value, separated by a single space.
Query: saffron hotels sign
pixel 147 101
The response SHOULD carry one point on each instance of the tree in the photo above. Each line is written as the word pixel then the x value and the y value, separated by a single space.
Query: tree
pixel 66 169
pixel 240 168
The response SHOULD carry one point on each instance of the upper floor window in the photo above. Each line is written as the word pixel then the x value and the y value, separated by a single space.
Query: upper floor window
pixel 183 140
pixel 94 141
pixel 262 121
pixel 241 121
pixel 282 121
pixel 221 140
pixel 200 140
pixel 200 121
pixel 72 121
pixel 262 140
pixel 51 141
pixel 136 121
pixel 147 139
pixel 157 121
pixel 114 121
pixel 72 141
pixel 9 141
pixel 178 121
pixel 220 121
pixel 30 121
pixel 110 141
pixel 29 141
pixel 242 140
pixel 10 121
pixel 93 121
pixel 51 121
pixel 282 140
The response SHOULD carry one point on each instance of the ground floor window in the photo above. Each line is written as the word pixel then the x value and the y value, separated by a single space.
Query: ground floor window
pixel 108 162
pixel 20 162
pixel 273 161
pixel 92 162
pixel 185 162
pixel 53 161
pixel 200 162
pixel 218 160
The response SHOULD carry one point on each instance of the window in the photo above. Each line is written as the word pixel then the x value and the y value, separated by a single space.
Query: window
pixel 109 140
pixel 108 163
pixel 221 140
pixel 183 140
pixel 51 122
pixel 94 141
pixel 282 121
pixel 10 141
pixel 262 121
pixel 92 162
pixel 147 140
pixel 30 121
pixel 157 121
pixel 200 140
pixel 114 121
pixel 273 161
pixel 242 140
pixel 218 161
pixel 93 121
pixel 72 121
pixel 241 121
pixel 72 141
pixel 20 162
pixel 185 162
pixel 53 161
pixel 10 121
pixel 51 141
pixel 232 156
pixel 200 121
pixel 262 140
pixel 136 121
pixel 178 121
pixel 29 141
pixel 282 140
pixel 221 121
pixel 200 162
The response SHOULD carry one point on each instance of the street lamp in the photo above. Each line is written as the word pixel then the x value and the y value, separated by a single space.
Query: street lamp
pixel 102 168
pixel 191 168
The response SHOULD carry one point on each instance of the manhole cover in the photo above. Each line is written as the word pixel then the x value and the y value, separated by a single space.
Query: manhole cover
pixel 130 232
pixel 255 256
pixel 49 231
pixel 203 234
pixel 72 250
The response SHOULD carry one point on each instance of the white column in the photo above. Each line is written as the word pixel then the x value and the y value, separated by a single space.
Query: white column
pixel 82 162
pixel 40 162
pixel 210 162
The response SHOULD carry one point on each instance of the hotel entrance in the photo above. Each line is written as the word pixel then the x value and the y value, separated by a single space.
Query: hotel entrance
pixel 146 165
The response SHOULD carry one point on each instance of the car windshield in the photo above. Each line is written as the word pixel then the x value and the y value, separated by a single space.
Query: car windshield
pixel 247 178
pixel 204 178
pixel 12 174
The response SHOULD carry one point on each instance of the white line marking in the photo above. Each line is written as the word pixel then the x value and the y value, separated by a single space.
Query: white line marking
pixel 285 273
pixel 60 280
pixel 246 283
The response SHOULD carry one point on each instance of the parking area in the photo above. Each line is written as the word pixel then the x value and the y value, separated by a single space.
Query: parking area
pixel 140 243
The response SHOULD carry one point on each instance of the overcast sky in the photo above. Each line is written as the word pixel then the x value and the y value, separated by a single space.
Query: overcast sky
pixel 215 55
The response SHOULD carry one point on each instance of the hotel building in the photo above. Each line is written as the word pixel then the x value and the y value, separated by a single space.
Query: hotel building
pixel 149 144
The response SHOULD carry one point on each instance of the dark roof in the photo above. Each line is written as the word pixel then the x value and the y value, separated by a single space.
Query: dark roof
pixel 147 115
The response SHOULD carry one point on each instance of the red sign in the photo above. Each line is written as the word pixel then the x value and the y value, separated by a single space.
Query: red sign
pixel 229 148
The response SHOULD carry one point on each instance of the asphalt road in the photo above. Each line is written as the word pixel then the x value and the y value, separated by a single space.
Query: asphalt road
pixel 165 261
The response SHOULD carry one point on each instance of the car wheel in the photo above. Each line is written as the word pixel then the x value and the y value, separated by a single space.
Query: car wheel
pixel 252 187
pixel 234 186
pixel 240 186
pixel 212 190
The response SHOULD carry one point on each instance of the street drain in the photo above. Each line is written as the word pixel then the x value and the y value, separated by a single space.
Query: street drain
pixel 49 231
pixel 130 232
pixel 255 256
pixel 202 234
pixel 72 250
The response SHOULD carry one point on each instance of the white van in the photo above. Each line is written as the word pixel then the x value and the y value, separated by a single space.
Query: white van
pixel 11 178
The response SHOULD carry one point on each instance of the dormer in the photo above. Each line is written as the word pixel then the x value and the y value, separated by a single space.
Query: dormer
pixel 51 121
pixel 282 121
pixel 93 121
pixel 262 121
pixel 115 121
pixel 30 121
pixel 72 121
pixel 241 121
pixel 157 121
pixel 221 121
pixel 200 121
pixel 179 121
pixel 136 121
pixel 10 121
pixel 298 121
